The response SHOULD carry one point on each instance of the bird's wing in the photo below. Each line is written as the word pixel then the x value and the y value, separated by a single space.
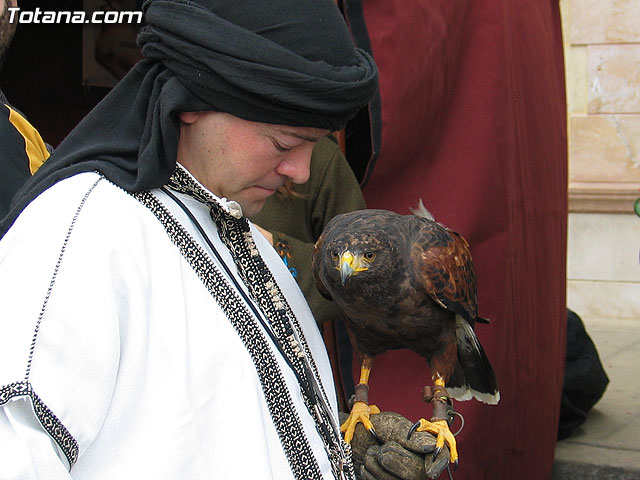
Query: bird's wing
pixel 317 264
pixel 444 267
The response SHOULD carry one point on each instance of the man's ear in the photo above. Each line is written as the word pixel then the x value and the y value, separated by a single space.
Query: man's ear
pixel 188 117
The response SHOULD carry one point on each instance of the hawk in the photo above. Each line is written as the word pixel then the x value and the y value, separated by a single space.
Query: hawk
pixel 405 281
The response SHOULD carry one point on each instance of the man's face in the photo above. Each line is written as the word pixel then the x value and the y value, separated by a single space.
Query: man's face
pixel 242 160
pixel 6 29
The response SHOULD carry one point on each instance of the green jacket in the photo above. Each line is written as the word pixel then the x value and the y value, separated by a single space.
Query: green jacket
pixel 297 223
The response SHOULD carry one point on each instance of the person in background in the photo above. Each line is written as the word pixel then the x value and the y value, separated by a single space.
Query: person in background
pixel 293 219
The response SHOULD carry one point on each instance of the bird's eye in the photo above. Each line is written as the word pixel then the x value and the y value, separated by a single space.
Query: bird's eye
pixel 369 256
pixel 334 255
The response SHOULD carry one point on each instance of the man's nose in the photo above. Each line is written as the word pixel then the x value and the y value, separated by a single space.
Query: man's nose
pixel 296 164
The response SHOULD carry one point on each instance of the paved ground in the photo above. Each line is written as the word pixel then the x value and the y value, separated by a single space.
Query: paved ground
pixel 607 445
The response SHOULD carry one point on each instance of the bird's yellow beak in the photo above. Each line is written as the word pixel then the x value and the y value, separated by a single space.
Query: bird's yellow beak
pixel 350 265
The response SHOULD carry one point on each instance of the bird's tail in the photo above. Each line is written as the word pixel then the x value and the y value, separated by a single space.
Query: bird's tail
pixel 474 375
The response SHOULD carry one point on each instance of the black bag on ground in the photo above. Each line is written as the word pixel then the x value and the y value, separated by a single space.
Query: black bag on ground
pixel 584 378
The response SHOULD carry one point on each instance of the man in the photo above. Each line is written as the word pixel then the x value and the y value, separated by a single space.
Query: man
pixel 154 333
pixel 22 150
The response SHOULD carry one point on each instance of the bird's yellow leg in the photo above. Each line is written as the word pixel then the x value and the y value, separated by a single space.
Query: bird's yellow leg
pixel 361 409
pixel 440 428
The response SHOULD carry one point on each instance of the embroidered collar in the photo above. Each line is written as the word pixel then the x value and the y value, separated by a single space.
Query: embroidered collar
pixel 182 181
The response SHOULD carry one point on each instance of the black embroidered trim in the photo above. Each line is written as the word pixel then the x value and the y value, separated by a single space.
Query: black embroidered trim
pixel 47 419
pixel 295 444
pixel 234 231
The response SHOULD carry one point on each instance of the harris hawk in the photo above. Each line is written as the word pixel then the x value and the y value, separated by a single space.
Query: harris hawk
pixel 405 281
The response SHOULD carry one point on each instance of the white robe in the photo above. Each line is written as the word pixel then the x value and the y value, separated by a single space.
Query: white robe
pixel 132 355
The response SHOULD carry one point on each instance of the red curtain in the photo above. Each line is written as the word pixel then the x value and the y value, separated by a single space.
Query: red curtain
pixel 473 121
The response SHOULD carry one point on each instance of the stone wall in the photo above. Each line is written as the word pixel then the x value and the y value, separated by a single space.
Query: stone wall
pixel 602 52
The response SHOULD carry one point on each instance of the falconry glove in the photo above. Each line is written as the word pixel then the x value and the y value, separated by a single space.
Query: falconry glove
pixel 392 456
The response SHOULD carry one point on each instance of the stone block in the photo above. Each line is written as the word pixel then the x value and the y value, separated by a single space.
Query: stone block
pixel 577 79
pixel 604 148
pixel 604 21
pixel 614 78
pixel 604 247
pixel 604 300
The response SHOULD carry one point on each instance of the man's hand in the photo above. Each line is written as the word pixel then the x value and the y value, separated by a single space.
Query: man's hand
pixel 394 456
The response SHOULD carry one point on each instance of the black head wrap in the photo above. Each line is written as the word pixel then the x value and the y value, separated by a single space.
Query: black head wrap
pixel 288 62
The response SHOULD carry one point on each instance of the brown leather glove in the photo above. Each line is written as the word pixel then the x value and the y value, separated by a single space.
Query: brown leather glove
pixel 394 457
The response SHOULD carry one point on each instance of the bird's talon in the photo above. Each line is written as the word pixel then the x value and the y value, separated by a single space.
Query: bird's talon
pixel 413 428
pixel 440 429
pixel 455 465
pixel 373 433
pixel 436 452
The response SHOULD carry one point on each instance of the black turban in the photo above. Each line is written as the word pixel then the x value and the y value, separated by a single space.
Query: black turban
pixel 288 62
